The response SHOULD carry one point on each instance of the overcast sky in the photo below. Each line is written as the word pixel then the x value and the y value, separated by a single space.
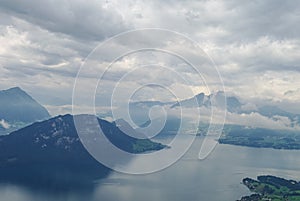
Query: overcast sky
pixel 254 44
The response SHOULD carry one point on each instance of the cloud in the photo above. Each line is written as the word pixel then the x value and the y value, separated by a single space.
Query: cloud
pixel 256 120
pixel 78 18
pixel 293 94
pixel 4 124
pixel 252 119
pixel 43 44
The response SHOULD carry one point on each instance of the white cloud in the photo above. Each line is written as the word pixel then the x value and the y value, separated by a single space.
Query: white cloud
pixel 4 124
pixel 253 119
pixel 256 120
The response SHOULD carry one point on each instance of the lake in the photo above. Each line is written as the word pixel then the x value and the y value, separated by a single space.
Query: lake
pixel 217 178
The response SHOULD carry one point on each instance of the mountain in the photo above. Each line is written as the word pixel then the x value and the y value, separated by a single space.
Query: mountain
pixel 125 127
pixel 217 99
pixel 196 101
pixel 270 111
pixel 16 105
pixel 149 103
pixel 233 104
pixel 17 109
pixel 170 126
pixel 139 111
pixel 51 152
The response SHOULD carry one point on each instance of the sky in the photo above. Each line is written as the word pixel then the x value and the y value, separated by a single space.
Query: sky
pixel 253 45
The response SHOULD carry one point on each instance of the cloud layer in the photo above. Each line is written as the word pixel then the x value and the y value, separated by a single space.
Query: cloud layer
pixel 255 44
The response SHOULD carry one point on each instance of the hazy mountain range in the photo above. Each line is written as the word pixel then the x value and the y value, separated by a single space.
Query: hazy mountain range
pixel 231 104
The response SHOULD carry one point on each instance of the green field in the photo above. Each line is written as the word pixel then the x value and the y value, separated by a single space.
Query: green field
pixel 270 188
pixel 261 138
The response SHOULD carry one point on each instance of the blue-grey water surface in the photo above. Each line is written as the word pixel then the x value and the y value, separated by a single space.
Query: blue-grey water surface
pixel 217 178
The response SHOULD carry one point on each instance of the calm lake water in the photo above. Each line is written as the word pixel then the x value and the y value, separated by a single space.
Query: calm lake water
pixel 217 178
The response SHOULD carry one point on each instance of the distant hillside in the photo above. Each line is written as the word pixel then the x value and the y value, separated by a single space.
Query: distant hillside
pixel 17 109
pixel 16 105
pixel 260 137
pixel 219 99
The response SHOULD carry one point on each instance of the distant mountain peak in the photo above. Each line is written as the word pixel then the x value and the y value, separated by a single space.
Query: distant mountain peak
pixel 15 89
pixel 18 106
pixel 219 98
pixel 220 92
pixel 16 92
pixel 200 95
